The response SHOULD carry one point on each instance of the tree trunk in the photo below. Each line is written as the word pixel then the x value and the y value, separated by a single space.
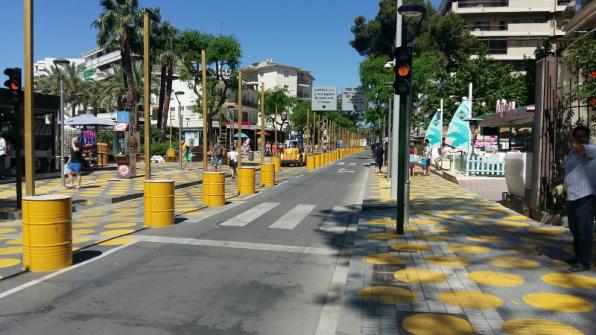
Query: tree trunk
pixel 160 111
pixel 167 96
pixel 131 96
pixel 73 109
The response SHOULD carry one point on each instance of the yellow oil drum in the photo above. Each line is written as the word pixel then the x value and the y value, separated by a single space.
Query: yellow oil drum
pixel 276 160
pixel 159 203
pixel 310 162
pixel 171 155
pixel 47 232
pixel 324 159
pixel 267 174
pixel 214 189
pixel 246 180
pixel 317 161
pixel 327 158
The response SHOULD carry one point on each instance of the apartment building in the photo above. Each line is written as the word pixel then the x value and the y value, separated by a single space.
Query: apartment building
pixel 511 29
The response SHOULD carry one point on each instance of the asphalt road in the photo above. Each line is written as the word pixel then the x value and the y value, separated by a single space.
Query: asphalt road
pixel 273 264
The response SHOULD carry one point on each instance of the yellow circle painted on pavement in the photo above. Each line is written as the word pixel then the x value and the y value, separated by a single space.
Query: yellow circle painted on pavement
pixel 384 258
pixel 569 280
pixel 15 242
pixel 418 275
pixel 447 260
pixel 116 232
pixel 492 278
pixel 516 217
pixel 381 221
pixel 437 324
pixel 468 249
pixel 77 240
pixel 85 225
pixel 547 230
pixel 7 230
pixel 409 228
pixel 424 221
pixel 120 225
pixel 8 262
pixel 436 237
pixel 409 246
pixel 538 327
pixel 119 241
pixel 484 238
pixel 11 250
pixel 558 302
pixel 470 299
pixel 527 250
pixel 82 231
pixel 442 229
pixel 383 236
pixel 510 262
pixel 508 223
pixel 387 294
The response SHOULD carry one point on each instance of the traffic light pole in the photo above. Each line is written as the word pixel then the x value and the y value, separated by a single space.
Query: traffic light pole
pixel 18 145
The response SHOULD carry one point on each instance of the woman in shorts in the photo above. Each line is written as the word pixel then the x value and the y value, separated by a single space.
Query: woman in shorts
pixel 75 163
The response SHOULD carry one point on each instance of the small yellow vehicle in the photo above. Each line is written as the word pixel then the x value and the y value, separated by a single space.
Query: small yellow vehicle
pixel 292 156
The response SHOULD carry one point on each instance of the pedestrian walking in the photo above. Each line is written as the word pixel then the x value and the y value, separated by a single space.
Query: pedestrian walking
pixel 579 181
pixel 233 160
pixel 414 159
pixel 186 157
pixel 3 152
pixel 217 157
pixel 426 157
pixel 379 152
pixel 442 156
pixel 75 163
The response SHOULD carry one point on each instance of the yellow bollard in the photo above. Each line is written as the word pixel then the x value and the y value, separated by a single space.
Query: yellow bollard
pixel 214 189
pixel 326 155
pixel 267 175
pixel 47 232
pixel 317 161
pixel 310 162
pixel 276 160
pixel 159 203
pixel 246 180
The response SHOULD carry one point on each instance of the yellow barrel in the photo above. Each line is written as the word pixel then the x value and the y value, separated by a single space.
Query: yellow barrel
pixel 47 232
pixel 214 189
pixel 276 160
pixel 324 159
pixel 267 174
pixel 159 203
pixel 246 180
pixel 327 158
pixel 310 162
pixel 317 161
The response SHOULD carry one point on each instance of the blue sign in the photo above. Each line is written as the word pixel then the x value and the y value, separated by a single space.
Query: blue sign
pixel 122 116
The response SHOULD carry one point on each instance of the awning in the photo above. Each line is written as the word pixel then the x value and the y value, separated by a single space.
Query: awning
pixel 121 127
pixel 88 120
pixel 519 117
pixel 243 135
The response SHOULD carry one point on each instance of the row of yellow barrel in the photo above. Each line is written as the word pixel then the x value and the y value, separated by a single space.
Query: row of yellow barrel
pixel 316 161
pixel 47 219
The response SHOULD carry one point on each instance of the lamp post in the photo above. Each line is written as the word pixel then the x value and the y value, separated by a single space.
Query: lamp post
pixel 57 63
pixel 239 145
pixel 403 182
pixel 177 94
pixel 256 84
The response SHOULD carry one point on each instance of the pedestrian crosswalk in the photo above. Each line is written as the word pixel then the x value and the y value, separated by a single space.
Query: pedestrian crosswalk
pixel 335 222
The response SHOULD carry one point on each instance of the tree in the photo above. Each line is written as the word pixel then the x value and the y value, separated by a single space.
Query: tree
pixel 278 103
pixel 166 56
pixel 223 55
pixel 120 28
pixel 76 88
pixel 375 78
pixel 112 90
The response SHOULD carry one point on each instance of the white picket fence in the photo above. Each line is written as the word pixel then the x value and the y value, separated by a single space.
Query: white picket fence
pixel 485 166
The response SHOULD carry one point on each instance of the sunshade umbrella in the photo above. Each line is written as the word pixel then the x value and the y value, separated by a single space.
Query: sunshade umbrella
pixel 243 135
pixel 89 120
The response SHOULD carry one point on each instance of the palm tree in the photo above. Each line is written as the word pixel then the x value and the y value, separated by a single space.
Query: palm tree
pixel 76 87
pixel 120 28
pixel 165 37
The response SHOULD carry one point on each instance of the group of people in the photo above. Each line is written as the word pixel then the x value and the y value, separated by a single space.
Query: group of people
pixel 425 159
pixel 274 149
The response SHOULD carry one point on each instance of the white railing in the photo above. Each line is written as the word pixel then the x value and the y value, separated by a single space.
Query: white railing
pixel 485 166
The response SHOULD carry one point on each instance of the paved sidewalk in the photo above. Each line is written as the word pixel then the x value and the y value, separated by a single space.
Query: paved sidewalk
pixel 109 225
pixel 465 265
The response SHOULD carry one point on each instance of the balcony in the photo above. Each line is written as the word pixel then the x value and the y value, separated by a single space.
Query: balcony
pixel 482 3
pixel 516 30
pixel 507 6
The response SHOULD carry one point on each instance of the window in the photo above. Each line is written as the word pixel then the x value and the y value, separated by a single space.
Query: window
pixel 189 108
pixel 286 87
pixel 286 75
pixel 172 109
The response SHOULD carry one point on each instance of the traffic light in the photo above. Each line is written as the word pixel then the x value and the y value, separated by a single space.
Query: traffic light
pixel 14 79
pixel 403 71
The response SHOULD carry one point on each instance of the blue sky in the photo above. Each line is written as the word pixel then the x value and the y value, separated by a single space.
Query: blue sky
pixel 311 34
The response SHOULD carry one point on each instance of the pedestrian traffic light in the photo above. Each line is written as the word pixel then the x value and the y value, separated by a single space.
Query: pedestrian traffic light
pixel 14 79
pixel 403 71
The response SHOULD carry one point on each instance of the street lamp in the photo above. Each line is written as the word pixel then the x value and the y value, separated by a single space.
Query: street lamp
pixel 59 62
pixel 412 11
pixel 177 94
pixel 256 84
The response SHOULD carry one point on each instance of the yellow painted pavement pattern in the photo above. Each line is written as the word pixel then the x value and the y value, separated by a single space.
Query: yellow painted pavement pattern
pixel 538 327
pixel 437 324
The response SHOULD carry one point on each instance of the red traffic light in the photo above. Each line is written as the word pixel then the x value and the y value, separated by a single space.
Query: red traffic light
pixel 14 79
pixel 12 85
pixel 402 70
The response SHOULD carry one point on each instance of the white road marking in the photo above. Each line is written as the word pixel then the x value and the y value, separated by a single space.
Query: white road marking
pixel 239 245
pixel 352 164
pixel 336 221
pixel 250 215
pixel 293 217
pixel 341 163
pixel 342 170
pixel 283 182
pixel 59 272
pixel 298 176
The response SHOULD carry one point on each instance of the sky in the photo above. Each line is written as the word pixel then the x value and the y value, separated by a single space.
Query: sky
pixel 310 34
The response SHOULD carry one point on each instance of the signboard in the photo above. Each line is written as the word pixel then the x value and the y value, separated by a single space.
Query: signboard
pixel 353 100
pixel 324 99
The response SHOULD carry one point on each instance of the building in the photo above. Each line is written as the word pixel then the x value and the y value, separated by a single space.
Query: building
pixel 45 66
pixel 511 29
